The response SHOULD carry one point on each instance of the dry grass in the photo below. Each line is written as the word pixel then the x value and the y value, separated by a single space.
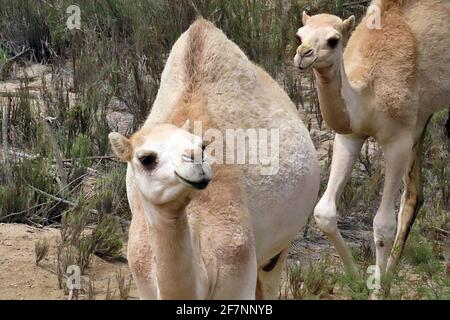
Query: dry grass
pixel 41 249
pixel 123 285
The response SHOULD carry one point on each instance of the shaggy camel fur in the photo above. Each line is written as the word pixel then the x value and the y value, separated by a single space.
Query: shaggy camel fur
pixel 229 241
pixel 387 85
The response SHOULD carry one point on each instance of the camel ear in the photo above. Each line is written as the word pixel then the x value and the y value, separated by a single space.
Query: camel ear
pixel 347 26
pixel 305 17
pixel 121 146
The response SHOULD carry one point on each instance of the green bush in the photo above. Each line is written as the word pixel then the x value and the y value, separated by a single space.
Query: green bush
pixel 108 238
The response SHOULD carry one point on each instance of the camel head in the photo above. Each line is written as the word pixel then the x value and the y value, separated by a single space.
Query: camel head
pixel 167 163
pixel 322 40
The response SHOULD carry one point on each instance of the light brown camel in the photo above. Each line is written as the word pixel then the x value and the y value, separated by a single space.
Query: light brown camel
pixel 387 84
pixel 229 241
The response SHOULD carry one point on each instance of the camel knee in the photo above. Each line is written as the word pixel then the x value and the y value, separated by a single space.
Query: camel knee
pixel 384 229
pixel 325 216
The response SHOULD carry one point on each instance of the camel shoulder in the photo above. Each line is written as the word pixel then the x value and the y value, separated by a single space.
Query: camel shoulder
pixel 384 60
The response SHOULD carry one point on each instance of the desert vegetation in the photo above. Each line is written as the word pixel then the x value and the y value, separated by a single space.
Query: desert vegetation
pixel 62 91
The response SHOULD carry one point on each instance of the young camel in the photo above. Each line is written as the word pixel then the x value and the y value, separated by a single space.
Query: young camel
pixel 386 85
pixel 229 241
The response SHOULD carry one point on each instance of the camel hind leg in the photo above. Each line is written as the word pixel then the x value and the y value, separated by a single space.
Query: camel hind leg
pixel 412 200
pixel 269 277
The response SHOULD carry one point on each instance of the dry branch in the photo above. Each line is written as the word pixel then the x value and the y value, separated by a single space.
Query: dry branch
pixel 11 60
pixel 5 133
pixel 18 94
pixel 5 142
pixel 57 154
pixel 112 158
pixel 50 196
pixel 30 156
pixel 442 231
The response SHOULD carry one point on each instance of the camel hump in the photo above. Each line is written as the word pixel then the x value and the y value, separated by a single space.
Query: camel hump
pixel 211 58
pixel 195 53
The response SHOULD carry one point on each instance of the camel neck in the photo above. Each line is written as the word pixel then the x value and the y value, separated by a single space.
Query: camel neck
pixel 330 82
pixel 177 258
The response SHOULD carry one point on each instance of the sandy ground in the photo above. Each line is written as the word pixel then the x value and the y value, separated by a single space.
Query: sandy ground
pixel 21 278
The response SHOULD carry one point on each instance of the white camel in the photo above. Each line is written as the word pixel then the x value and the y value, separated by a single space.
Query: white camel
pixel 229 241
pixel 387 85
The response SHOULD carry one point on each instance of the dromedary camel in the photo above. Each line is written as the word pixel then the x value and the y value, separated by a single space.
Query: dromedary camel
pixel 387 85
pixel 229 241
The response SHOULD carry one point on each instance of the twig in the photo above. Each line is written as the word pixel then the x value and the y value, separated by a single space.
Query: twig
pixel 18 94
pixel 23 211
pixel 11 60
pixel 5 142
pixel 56 153
pixel 84 178
pixel 5 133
pixel 70 203
pixel 18 55
pixel 35 156
pixel 440 230
pixel 112 158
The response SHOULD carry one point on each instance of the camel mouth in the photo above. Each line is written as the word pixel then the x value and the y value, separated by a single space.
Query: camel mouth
pixel 309 66
pixel 199 185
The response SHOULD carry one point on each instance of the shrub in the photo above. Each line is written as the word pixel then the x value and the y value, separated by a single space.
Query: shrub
pixel 41 249
pixel 108 238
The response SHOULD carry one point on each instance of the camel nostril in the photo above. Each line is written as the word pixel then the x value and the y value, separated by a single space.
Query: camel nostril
pixel 193 157
pixel 308 53
pixel 188 157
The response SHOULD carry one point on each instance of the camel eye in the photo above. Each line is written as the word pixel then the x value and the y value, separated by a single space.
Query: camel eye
pixel 149 161
pixel 299 39
pixel 333 42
